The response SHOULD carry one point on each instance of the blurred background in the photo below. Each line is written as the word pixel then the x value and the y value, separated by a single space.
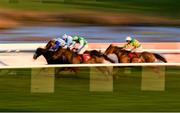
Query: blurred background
pixel 97 20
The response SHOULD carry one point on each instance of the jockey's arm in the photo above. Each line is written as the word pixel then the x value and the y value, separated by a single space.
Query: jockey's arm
pixel 81 42
pixel 72 45
pixel 65 46
pixel 56 45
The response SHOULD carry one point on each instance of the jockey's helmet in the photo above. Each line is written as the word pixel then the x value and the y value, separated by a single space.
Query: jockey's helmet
pixel 65 36
pixel 128 38
pixel 75 38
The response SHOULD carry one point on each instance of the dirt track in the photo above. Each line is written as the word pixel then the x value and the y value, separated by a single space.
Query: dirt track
pixel 25 58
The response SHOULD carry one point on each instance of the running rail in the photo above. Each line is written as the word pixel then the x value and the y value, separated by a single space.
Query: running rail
pixel 91 65
pixel 165 51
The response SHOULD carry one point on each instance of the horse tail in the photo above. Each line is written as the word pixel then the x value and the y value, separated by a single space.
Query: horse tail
pixel 108 59
pixel 160 57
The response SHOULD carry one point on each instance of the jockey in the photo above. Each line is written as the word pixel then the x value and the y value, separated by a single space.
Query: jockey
pixel 72 41
pixel 134 44
pixel 58 42
pixel 69 41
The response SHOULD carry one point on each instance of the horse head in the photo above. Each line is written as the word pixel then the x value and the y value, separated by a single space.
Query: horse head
pixel 38 52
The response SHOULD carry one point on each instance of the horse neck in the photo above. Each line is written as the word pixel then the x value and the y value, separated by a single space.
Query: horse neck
pixel 117 51
pixel 47 55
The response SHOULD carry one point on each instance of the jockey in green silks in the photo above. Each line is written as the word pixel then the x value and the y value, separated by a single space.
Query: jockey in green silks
pixel 73 40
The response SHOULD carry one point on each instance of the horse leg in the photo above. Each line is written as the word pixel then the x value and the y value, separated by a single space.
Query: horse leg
pixel 107 70
pixel 59 70
pixel 75 70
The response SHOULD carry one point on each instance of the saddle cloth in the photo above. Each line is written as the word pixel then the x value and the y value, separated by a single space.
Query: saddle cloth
pixel 133 55
pixel 84 57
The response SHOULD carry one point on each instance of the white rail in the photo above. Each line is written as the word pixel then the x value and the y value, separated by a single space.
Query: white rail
pixel 166 51
pixel 91 65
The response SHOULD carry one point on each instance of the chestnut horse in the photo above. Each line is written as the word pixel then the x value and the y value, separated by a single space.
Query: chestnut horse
pixel 124 55
pixel 74 58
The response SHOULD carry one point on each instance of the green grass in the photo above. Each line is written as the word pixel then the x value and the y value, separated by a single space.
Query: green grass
pixel 170 8
pixel 72 93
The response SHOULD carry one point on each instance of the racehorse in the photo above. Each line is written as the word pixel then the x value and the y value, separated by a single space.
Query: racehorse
pixel 47 55
pixel 88 58
pixel 125 56
pixel 93 53
pixel 93 56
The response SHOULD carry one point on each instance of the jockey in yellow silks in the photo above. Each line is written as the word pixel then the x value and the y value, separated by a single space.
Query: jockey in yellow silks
pixel 132 44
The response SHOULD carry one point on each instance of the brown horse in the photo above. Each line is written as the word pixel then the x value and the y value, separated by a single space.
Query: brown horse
pixel 124 55
pixel 74 58
pixel 47 55
pixel 95 53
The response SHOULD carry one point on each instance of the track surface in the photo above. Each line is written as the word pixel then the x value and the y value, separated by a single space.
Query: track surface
pixel 24 59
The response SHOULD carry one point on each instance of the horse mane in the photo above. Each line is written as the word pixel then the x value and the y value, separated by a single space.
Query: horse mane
pixel 49 44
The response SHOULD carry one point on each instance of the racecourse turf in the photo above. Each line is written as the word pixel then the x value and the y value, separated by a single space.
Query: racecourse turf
pixel 72 93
